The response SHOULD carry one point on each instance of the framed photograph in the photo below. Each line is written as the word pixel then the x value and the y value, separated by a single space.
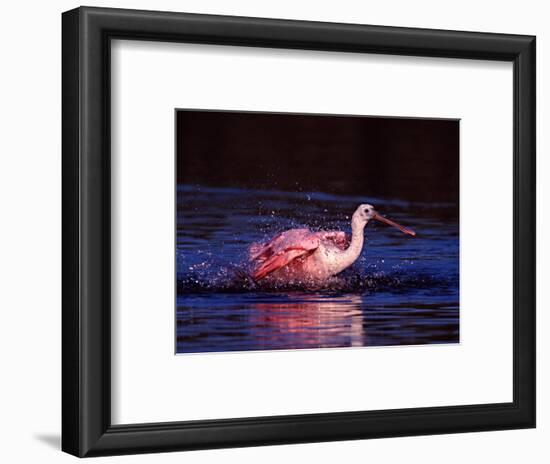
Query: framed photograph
pixel 285 231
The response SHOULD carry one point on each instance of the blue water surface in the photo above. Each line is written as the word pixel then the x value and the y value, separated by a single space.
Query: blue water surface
pixel 401 291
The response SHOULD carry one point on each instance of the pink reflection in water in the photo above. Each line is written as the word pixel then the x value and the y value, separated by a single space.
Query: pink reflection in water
pixel 319 322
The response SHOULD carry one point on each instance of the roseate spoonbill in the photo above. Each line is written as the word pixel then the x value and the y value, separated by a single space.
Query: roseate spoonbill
pixel 301 255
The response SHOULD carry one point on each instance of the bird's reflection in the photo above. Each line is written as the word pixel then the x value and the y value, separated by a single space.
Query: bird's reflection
pixel 318 321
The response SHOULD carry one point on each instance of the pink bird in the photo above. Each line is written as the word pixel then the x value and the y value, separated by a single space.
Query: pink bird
pixel 304 256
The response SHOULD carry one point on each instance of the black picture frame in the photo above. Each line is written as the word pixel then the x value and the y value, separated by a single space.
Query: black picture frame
pixel 86 380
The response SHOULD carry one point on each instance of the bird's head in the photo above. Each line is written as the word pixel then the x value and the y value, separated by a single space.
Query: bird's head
pixel 364 213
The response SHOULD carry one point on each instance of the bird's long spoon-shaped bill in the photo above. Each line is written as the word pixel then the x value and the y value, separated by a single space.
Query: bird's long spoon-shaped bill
pixel 403 229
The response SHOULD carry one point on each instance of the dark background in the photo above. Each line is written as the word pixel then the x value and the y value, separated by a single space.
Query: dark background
pixel 409 159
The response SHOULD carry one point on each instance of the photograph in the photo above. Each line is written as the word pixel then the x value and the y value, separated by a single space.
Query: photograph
pixel 314 231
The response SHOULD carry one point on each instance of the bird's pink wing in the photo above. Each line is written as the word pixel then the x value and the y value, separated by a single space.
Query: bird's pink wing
pixel 261 251
pixel 336 237
pixel 281 250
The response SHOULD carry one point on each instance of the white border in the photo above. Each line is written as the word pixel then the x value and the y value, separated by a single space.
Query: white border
pixel 150 383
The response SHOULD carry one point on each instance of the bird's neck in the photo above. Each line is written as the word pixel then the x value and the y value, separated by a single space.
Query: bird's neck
pixel 350 255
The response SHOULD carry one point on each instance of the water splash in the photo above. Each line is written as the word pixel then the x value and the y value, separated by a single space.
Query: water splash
pixel 237 280
pixel 216 226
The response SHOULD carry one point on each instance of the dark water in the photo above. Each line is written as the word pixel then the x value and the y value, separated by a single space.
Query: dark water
pixel 401 291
